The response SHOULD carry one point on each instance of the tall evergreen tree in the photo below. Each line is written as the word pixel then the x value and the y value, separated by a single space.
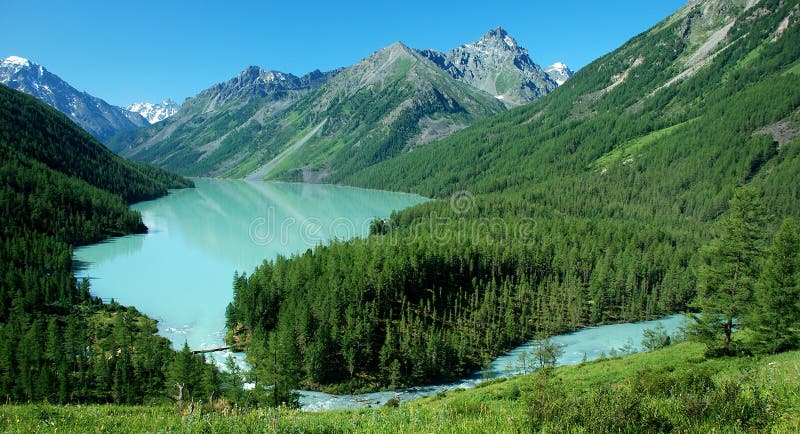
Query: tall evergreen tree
pixel 729 271
pixel 775 321
pixel 188 373
pixel 278 373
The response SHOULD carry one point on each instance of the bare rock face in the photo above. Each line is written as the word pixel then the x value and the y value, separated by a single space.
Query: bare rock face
pixel 496 64
pixel 94 115
pixel 255 82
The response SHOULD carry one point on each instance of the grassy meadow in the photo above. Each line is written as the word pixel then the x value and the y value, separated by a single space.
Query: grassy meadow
pixel 672 389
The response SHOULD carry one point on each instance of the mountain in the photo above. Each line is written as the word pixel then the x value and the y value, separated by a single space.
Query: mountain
pixel 496 64
pixel 96 116
pixel 255 82
pixel 644 114
pixel 591 205
pixel 558 72
pixel 222 125
pixel 155 112
pixel 393 101
pixel 322 126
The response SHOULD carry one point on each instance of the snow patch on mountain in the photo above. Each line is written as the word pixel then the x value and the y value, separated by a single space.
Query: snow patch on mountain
pixel 96 116
pixel 558 72
pixel 155 112
pixel 15 60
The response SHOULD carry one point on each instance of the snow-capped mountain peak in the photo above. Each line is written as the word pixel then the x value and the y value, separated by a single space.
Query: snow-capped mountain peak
pixel 559 72
pixel 16 60
pixel 155 112
pixel 96 116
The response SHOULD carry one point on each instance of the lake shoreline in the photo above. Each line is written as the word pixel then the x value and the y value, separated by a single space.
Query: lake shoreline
pixel 180 272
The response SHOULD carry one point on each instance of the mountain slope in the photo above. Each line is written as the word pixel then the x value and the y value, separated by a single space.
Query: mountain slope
pixel 590 205
pixel 496 64
pixel 392 101
pixel 36 132
pixel 224 124
pixel 258 124
pixel 644 114
pixel 93 114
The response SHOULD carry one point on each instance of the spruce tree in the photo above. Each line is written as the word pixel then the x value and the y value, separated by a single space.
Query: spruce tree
pixel 729 271
pixel 280 371
pixel 182 375
pixel 775 321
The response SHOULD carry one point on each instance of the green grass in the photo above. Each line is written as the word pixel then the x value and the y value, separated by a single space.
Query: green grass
pixel 505 81
pixel 751 56
pixel 764 396
pixel 793 70
pixel 630 148
pixel 401 67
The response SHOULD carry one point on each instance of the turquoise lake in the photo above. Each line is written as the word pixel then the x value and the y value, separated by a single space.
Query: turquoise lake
pixel 181 271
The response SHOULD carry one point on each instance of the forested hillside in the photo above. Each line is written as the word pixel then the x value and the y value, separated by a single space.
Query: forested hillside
pixel 626 127
pixel 59 187
pixel 55 141
pixel 587 206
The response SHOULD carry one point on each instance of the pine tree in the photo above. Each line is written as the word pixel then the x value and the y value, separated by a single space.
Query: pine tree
pixel 775 321
pixel 183 375
pixel 729 272
pixel 280 373
pixel 123 385
pixel 232 381
pixel 547 352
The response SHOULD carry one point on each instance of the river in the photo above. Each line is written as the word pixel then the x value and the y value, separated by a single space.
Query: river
pixel 586 344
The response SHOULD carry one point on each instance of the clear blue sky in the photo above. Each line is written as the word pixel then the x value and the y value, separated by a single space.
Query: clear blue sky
pixel 126 51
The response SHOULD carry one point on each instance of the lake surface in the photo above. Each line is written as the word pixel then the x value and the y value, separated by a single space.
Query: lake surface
pixel 181 271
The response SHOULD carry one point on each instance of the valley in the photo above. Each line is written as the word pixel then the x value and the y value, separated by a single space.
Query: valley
pixel 443 208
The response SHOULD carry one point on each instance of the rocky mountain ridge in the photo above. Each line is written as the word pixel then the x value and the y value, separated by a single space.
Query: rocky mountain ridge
pixel 316 127
pixel 498 65
pixel 93 114
pixel 322 125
